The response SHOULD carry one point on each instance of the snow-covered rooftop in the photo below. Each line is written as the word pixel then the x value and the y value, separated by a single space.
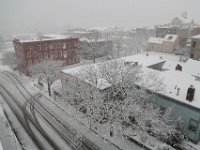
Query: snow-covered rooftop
pixel 101 83
pixel 92 40
pixel 172 78
pixel 168 37
pixel 196 37
pixel 45 37
pixel 171 37
pixel 82 32
pixel 175 79
pixel 155 40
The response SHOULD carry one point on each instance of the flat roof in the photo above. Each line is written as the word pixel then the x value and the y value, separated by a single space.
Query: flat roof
pixel 155 40
pixel 196 37
pixel 47 37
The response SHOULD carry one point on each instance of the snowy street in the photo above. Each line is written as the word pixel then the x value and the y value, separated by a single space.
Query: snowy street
pixel 46 122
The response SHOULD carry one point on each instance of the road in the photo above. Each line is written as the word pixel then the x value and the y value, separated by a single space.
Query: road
pixel 46 128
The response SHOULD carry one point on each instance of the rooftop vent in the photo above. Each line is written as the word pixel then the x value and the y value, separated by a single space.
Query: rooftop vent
pixel 190 93
pixel 178 67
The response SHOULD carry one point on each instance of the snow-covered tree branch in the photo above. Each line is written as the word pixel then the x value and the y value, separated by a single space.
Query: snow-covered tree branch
pixel 111 96
pixel 48 70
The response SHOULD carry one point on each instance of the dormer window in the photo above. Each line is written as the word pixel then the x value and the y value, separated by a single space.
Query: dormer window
pixel 170 38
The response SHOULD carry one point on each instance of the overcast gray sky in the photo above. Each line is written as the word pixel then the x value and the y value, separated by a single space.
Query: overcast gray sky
pixel 19 15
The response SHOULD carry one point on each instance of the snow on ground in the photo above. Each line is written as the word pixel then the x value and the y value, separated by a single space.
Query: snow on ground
pixel 21 133
pixel 70 115
pixel 8 139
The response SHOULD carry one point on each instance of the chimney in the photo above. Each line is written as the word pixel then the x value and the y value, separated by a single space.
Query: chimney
pixel 178 67
pixel 190 93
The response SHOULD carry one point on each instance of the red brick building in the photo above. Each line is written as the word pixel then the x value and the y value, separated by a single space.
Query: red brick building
pixel 29 52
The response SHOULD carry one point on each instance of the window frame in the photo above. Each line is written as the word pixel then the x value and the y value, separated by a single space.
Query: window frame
pixel 193 44
pixel 191 126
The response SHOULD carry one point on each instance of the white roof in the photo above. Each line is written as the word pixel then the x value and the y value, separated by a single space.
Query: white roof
pixel 144 59
pixel 170 37
pixel 172 78
pixel 155 40
pixel 47 37
pixel 101 83
pixel 177 79
pixel 196 37
pixel 82 32
pixel 92 40
pixel 141 59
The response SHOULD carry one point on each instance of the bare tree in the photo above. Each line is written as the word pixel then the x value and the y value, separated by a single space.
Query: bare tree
pixel 112 98
pixel 94 47
pixel 9 58
pixel 48 70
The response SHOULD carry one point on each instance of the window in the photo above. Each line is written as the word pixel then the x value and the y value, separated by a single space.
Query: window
pixel 56 53
pixel 30 47
pixel 45 47
pixel 39 47
pixel 60 45
pixel 55 46
pixel 193 125
pixel 50 46
pixel 40 56
pixel 60 53
pixel 46 55
pixel 64 45
pixel 29 54
pixel 65 54
pixel 68 44
pixel 193 44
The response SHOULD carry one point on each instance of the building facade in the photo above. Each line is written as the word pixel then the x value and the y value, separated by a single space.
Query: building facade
pixel 33 51
pixel 181 26
pixel 167 44
pixel 190 115
pixel 183 33
pixel 195 47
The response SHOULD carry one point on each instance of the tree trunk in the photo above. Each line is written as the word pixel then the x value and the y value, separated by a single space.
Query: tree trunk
pixel 49 88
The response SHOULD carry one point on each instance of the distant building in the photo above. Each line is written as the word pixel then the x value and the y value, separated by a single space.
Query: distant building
pixel 195 47
pixel 29 52
pixel 167 44
pixel 91 49
pixel 144 33
pixel 182 27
